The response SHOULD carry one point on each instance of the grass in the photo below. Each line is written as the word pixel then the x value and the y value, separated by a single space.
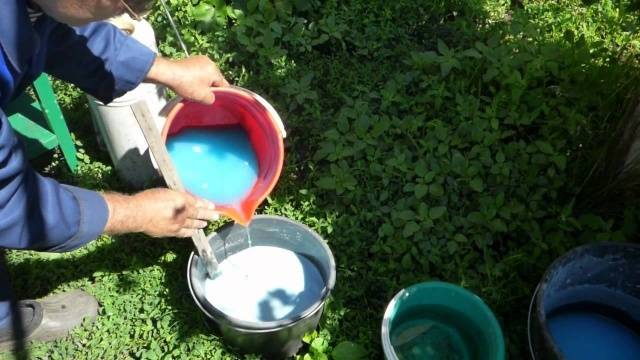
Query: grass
pixel 450 140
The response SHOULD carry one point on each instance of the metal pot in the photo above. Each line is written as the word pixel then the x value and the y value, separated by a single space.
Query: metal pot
pixel 273 339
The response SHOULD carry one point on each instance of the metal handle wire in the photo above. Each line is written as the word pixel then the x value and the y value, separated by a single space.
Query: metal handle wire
pixel 174 27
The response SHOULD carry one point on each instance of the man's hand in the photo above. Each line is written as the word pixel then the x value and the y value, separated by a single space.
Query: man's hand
pixel 191 78
pixel 158 213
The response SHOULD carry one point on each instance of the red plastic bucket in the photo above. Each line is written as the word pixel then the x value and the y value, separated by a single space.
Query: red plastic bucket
pixel 237 106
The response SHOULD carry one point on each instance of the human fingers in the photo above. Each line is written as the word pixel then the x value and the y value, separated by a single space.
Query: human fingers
pixel 206 215
pixel 203 210
pixel 203 96
pixel 185 233
pixel 194 224
pixel 219 81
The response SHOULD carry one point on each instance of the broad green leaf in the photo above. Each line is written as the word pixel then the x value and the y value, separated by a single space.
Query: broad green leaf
pixel 560 161
pixel 545 147
pixel 436 190
pixel 443 48
pixel 490 74
pixel 472 53
pixel 410 228
pixel 320 344
pixel 302 5
pixel 458 161
pixel 437 212
pixel 460 238
pixel 252 5
pixel 267 38
pixel 348 350
pixel 445 67
pixel 498 225
pixel 428 177
pixel 421 190
pixel 203 12
pixel 328 183
pixel 475 217
pixel 406 215
pixel 308 337
pixel 219 4
pixel 421 168
pixel 476 184
pixel 423 210
pixel 406 261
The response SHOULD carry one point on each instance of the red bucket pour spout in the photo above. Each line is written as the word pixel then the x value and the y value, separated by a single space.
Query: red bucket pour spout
pixel 237 106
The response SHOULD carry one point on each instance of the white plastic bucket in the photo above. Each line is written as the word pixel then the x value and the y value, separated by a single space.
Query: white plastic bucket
pixel 116 124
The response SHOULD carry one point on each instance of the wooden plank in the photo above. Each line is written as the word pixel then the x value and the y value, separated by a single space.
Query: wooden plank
pixel 170 175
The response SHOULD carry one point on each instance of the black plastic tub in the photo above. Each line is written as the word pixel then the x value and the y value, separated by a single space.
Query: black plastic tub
pixel 604 275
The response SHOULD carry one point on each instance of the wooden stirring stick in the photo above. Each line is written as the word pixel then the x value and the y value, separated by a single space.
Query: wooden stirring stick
pixel 170 175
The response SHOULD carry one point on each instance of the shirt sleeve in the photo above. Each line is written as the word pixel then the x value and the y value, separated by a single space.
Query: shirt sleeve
pixel 99 58
pixel 37 212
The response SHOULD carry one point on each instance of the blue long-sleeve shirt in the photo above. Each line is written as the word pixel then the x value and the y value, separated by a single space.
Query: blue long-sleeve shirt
pixel 37 212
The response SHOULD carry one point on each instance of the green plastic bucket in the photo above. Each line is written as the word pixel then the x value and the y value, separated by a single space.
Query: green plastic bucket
pixel 437 320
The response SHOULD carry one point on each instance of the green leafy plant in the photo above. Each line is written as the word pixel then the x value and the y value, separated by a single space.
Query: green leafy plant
pixel 444 140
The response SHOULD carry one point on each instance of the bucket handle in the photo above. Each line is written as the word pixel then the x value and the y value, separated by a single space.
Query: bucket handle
pixel 529 322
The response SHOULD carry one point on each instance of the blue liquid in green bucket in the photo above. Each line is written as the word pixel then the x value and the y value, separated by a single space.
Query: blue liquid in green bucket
pixel 581 334
pixel 218 164
pixel 265 283
pixel 435 332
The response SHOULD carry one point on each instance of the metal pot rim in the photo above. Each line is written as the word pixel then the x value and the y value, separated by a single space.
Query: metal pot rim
pixel 219 316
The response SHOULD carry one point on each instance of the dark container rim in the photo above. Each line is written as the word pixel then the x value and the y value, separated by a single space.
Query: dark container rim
pixel 536 299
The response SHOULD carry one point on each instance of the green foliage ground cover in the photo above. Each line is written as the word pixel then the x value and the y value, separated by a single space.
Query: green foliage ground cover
pixel 427 140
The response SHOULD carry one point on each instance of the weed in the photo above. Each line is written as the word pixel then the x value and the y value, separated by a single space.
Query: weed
pixel 443 141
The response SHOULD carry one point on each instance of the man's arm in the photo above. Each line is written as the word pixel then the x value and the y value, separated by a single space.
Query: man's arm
pixel 98 58
pixel 191 78
pixel 158 212
pixel 106 63
pixel 39 213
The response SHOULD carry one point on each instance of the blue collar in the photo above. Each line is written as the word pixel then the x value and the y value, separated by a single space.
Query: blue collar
pixel 17 37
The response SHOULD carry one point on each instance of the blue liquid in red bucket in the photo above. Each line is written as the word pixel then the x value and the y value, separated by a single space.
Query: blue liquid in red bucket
pixel 218 164
pixel 582 334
